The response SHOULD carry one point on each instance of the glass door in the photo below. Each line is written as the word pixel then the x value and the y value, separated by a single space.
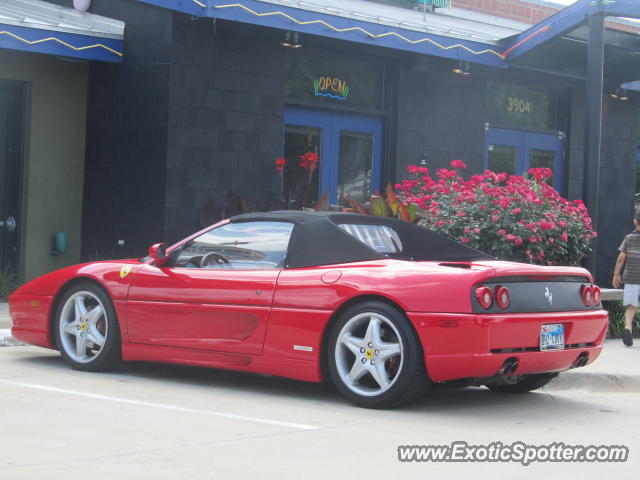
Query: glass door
pixel 516 151
pixel 348 151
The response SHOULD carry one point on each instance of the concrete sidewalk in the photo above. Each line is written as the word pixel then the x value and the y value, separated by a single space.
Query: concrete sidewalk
pixel 616 370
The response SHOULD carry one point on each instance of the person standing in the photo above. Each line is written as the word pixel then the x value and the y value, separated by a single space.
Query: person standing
pixel 629 257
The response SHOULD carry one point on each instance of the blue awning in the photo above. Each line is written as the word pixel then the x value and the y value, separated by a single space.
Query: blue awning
pixel 41 27
pixel 371 23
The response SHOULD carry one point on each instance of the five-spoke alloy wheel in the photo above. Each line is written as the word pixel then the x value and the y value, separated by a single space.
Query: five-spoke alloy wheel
pixel 86 328
pixel 374 357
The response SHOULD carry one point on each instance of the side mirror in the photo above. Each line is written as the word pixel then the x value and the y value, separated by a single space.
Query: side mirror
pixel 158 253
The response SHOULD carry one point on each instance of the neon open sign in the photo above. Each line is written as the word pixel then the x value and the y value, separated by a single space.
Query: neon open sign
pixel 332 87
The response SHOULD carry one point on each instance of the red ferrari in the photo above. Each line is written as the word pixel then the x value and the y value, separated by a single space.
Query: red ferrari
pixel 382 308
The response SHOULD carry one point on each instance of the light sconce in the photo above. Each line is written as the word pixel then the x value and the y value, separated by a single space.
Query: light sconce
pixel 462 69
pixel 424 160
pixel 291 40
pixel 620 94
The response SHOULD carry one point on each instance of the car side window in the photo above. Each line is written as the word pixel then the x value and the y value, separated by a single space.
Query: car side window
pixel 240 246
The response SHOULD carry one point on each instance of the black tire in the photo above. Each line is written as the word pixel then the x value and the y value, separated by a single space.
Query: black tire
pixel 527 384
pixel 89 326
pixel 405 371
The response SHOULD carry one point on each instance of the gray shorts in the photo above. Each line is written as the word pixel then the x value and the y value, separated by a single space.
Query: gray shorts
pixel 631 293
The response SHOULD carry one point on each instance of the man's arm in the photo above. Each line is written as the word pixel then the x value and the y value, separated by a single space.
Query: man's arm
pixel 617 281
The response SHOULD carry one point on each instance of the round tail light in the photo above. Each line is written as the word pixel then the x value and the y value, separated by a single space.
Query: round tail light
pixel 503 297
pixel 587 295
pixel 597 295
pixel 484 296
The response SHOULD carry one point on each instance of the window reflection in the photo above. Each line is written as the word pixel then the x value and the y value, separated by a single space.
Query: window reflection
pixel 250 245
pixel 356 162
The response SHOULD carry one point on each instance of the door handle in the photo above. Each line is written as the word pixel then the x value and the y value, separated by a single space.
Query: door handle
pixel 10 223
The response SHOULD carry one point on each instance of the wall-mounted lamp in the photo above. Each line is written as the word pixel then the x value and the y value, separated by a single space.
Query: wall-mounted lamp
pixel 425 159
pixel 81 5
pixel 58 244
pixel 620 94
pixel 291 39
pixel 462 69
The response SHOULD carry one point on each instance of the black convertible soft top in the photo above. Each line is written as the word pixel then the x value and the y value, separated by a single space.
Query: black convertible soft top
pixel 317 239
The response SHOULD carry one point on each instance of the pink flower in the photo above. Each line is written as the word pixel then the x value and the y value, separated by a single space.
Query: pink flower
pixel 466 230
pixel 476 230
pixel 564 237
pixel 501 232
pixel 465 240
pixel 516 211
pixel 458 164
pixel 510 236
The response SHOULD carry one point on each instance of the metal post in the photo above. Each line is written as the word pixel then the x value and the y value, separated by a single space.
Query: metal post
pixel 593 127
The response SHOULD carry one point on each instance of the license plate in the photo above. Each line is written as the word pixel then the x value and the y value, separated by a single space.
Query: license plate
pixel 552 336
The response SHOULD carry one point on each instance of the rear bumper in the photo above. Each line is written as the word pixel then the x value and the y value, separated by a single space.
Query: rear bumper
pixel 460 346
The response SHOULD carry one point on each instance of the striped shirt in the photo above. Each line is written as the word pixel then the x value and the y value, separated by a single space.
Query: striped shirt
pixel 631 246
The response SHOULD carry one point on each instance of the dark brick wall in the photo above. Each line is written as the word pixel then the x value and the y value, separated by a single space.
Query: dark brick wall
pixel 196 110
pixel 128 111
pixel 620 139
pixel 442 114
pixel 225 119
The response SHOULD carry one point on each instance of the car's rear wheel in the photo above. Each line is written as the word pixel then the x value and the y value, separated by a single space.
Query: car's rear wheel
pixel 527 384
pixel 86 328
pixel 375 358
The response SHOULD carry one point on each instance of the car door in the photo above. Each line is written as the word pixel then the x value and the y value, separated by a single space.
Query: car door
pixel 214 293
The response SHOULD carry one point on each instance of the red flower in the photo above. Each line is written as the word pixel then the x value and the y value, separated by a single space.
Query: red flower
pixel 280 163
pixel 309 161
pixel 458 164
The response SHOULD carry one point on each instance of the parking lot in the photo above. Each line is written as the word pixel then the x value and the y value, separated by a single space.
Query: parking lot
pixel 161 421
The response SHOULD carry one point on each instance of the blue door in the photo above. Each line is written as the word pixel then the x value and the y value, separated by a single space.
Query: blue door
pixel 516 151
pixel 349 149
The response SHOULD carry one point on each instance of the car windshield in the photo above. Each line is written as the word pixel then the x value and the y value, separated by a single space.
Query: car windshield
pixel 247 245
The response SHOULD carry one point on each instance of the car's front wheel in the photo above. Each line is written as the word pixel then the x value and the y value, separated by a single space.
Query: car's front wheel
pixel 86 328
pixel 375 358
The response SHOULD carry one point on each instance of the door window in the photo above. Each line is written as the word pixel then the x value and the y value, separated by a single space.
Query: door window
pixel 300 184
pixel 349 149
pixel 516 151
pixel 502 158
pixel 356 165
pixel 540 158
pixel 239 246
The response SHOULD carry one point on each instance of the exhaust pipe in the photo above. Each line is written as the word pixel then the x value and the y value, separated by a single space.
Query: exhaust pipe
pixel 581 361
pixel 509 366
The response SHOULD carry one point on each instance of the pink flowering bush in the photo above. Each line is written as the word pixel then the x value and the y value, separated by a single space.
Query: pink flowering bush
pixel 510 217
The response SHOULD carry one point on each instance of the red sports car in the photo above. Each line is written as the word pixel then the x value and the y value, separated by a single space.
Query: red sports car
pixel 381 307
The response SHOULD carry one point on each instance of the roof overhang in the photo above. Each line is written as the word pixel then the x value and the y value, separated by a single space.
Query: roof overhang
pixel 41 27
pixel 321 19
pixel 567 20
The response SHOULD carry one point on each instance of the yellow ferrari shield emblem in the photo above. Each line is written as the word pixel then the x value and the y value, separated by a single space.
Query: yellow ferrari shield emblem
pixel 369 354
pixel 124 271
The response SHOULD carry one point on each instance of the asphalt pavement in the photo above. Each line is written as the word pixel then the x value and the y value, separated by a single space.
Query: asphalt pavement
pixel 169 422
pixel 616 370
pixel 158 421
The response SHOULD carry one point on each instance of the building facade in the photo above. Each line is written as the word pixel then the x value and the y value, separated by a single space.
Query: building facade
pixel 189 126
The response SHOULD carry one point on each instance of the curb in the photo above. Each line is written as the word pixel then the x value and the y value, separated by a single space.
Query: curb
pixel 594 382
pixel 7 340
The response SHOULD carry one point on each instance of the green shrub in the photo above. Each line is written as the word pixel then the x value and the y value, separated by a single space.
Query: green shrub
pixel 8 283
pixel 510 217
